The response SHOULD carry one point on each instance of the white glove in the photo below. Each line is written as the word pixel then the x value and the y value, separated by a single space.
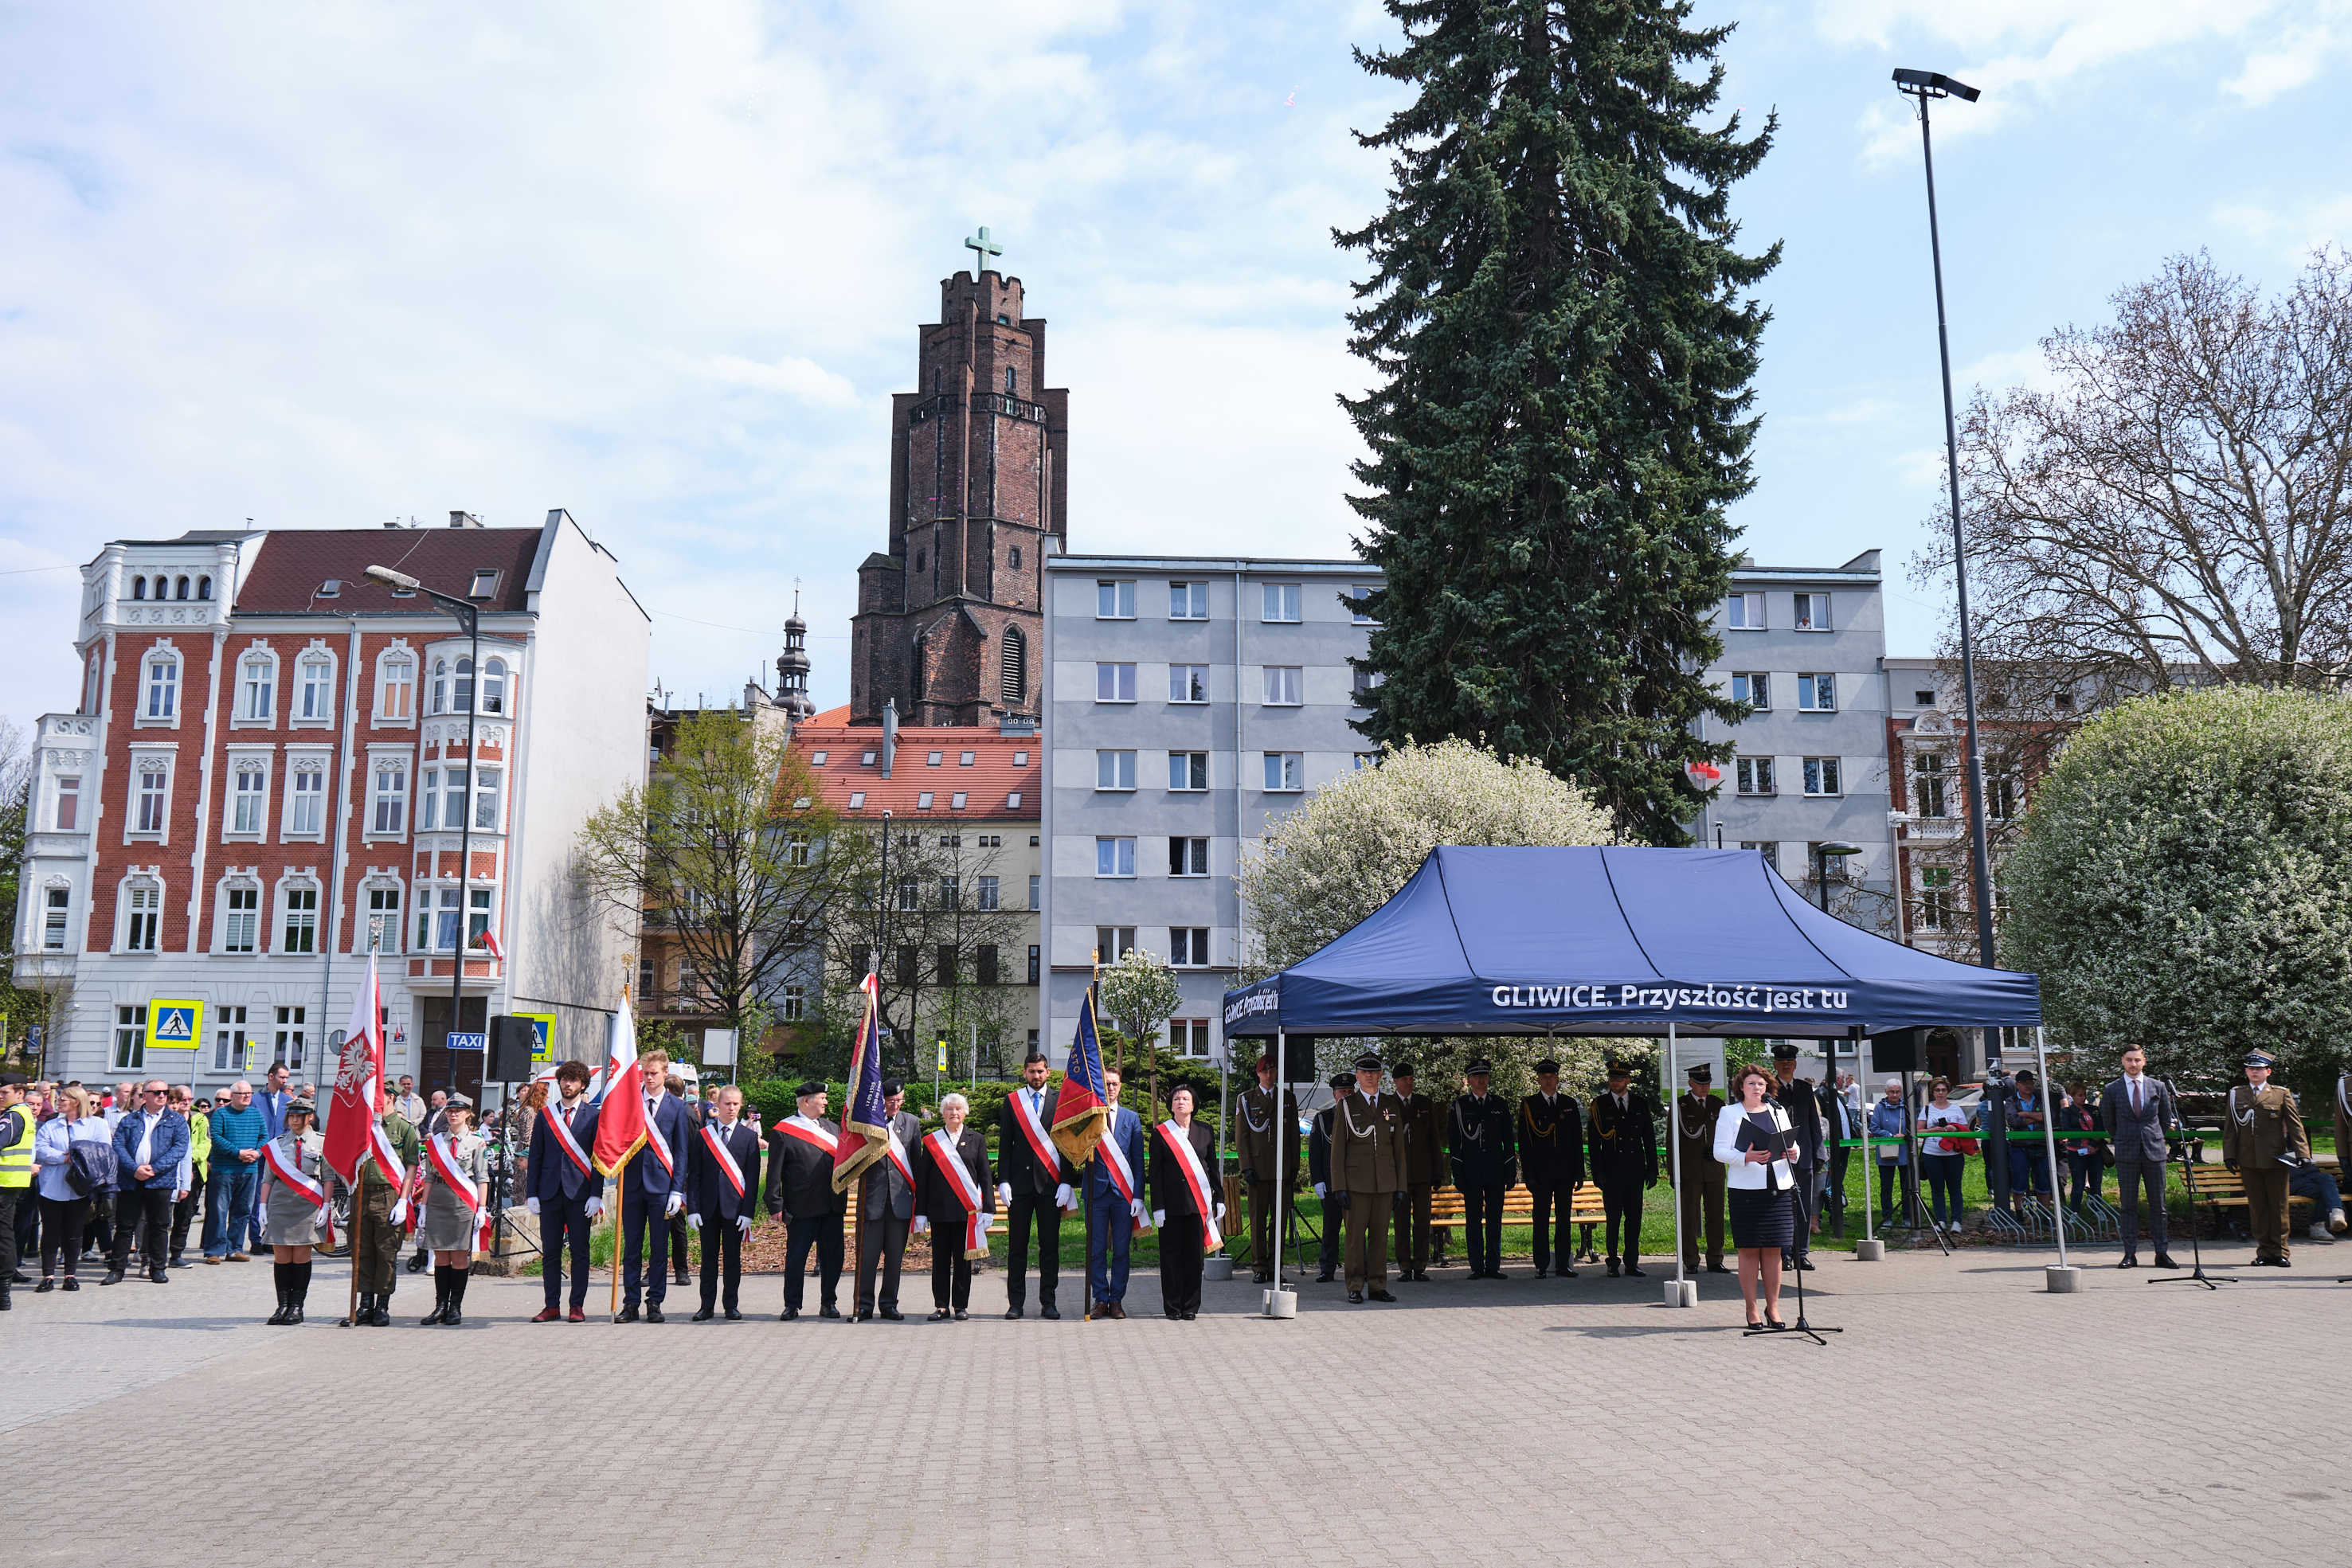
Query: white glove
pixel 595 1207
pixel 1135 1208
pixel 677 1201
pixel 1004 1192
pixel 1221 1211
pixel 743 1223
pixel 694 1223
pixel 921 1225
pixel 400 1211
pixel 1159 1219
pixel 531 1205
pixel 1061 1198
pixel 1318 1189
pixel 324 1217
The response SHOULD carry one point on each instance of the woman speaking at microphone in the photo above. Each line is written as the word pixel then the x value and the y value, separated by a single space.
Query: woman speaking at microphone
pixel 1752 1138
pixel 1185 1208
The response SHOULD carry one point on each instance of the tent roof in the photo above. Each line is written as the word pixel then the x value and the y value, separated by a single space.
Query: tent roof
pixel 1618 941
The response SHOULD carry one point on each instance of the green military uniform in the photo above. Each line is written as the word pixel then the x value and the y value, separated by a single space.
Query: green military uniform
pixel 2263 1125
pixel 375 1240
pixel 1702 1176
pixel 1424 1159
pixel 1269 1117
pixel 1368 1164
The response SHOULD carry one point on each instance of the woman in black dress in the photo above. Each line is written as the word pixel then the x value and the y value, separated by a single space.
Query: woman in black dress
pixel 1176 1211
pixel 1761 1187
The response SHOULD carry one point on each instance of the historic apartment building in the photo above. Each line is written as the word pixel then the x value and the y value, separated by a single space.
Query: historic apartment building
pixel 266 777
pixel 1189 703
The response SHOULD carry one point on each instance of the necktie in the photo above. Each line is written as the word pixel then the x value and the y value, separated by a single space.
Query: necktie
pixel 2135 1096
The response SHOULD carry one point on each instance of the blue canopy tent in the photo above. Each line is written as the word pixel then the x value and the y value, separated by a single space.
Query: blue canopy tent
pixel 1618 941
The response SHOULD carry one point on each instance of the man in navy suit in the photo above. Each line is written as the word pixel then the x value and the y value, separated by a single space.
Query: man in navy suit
pixel 148 1145
pixel 1114 1208
pixel 723 1195
pixel 652 1188
pixel 564 1190
pixel 1033 1186
pixel 886 1207
pixel 272 1103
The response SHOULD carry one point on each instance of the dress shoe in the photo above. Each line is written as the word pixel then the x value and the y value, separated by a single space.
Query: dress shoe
pixel 576 1315
pixel 1119 1310
pixel 548 1315
pixel 1564 1273
pixel 654 1315
pixel 1379 1296
pixel 681 1279
pixel 1716 1269
pixel 158 1277
pixel 788 1315
pixel 1421 1277
pixel 1542 1273
pixel 1324 1278
pixel 1047 1311
pixel 1807 1266
pixel 828 1310
pixel 939 1316
pixel 1498 1274
pixel 208 1258
pixel 1355 1298
pixel 240 1258
pixel 2128 1260
pixel 381 1317
pixel 113 1277
pixel 416 1264
pixel 72 1283
pixel 865 1314
pixel 1613 1267
pixel 704 1314
pixel 962 1315
pixel 893 1315
pixel 45 1287
pixel 625 1315
pixel 1012 1314
pixel 1189 1316
pixel 731 1315
pixel 1634 1272
pixel 2164 1260
pixel 1260 1277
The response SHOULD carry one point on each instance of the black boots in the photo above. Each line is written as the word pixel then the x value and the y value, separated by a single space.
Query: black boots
pixel 458 1278
pixel 381 1317
pixel 440 1298
pixel 448 1297
pixel 278 1272
pixel 293 1288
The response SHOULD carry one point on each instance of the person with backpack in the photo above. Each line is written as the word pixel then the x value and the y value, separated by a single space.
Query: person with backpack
pixel 75 1158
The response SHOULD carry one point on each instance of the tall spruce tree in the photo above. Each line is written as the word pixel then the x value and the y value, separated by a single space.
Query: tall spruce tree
pixel 1557 315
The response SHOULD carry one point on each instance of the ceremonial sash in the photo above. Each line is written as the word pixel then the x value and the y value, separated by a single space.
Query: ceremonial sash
pixel 945 1155
pixel 815 1136
pixel 726 1166
pixel 553 1116
pixel 1122 1175
pixel 444 1161
pixel 659 1144
pixel 1197 1179
pixel 387 1162
pixel 898 1151
pixel 1039 1143
pixel 291 1175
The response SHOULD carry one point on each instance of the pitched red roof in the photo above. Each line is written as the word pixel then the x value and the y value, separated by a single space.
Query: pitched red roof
pixel 293 562
pixel 999 785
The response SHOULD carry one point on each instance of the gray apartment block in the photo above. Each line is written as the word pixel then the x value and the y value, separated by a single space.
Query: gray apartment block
pixel 1808 646
pixel 1176 729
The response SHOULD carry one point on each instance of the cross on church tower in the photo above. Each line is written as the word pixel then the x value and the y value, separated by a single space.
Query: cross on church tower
pixel 982 250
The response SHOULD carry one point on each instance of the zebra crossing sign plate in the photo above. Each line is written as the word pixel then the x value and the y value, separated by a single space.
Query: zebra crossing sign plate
pixel 174 1024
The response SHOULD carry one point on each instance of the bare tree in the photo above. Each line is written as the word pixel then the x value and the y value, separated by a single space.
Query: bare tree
pixel 2178 509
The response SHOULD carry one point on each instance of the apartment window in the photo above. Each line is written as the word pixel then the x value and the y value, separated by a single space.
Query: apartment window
pixel 1188 683
pixel 796 849
pixel 945 975
pixel 646 980
pixel 396 698
pixel 129 1037
pixel 911 895
pixel 923 801
pixel 964 758
pixel 951 893
pixel 1281 686
pixel 1812 612
pixel 428 801
pixel 1281 601
pixel 988 893
pixel 453 806
pixel 1935 898
pixel 1114 682
pixel 1187 770
pixel 1744 613
pixel 1359 603
pixel 486 797
pixel 1114 770
pixel 1187 1037
pixel 248 795
pixel 795 1003
pixel 301 921
pixel 306 801
pixel 1285 771
pixel 318 687
pixel 984 964
pixel 1188 857
pixel 857 800
pixel 440 686
pixel 1822 776
pixel 144 901
pixel 1114 857
pixel 138 588
pixel 436 928
pixel 383 920
pixel 2000 786
pixel 57 902
pixel 241 920
pixel 1753 775
pixel 391 800
pixel 1367 682
pixel 162 688
pixel 1035 962
pixel 462 697
pixel 1035 890
pixel 1188 946
pixel 934 759
pixel 1817 693
pixel 1927 784
pixel 1769 849
pixel 154 782
pixel 494 687
pixel 1922 699
pixel 89 684
pixel 478 916
pixel 906 967
pixel 229 1039
pixel 1188 601
pixel 1754 688
pixel 1363 759
pixel 258 690
pixel 68 804
pixel 1115 601
pixel 1113 943
pixel 285 1043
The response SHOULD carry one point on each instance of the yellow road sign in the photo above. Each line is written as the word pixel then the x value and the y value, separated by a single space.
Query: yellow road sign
pixel 174 1024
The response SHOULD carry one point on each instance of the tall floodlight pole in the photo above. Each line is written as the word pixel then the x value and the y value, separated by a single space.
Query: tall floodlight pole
pixel 1923 86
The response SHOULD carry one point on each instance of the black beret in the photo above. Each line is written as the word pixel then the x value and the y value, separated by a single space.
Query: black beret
pixel 1703 1073
pixel 1478 1066
pixel 892 1086
pixel 1401 1069
pixel 806 1090
pixel 1368 1062
pixel 1546 1065
pixel 1343 1080
pixel 1784 1050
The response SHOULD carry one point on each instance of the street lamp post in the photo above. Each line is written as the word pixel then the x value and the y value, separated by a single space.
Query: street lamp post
pixel 1834 850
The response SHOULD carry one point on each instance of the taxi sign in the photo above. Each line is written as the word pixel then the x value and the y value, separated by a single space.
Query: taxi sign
pixel 174 1024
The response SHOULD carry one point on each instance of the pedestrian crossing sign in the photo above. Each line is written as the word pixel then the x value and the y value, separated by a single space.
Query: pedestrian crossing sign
pixel 174 1024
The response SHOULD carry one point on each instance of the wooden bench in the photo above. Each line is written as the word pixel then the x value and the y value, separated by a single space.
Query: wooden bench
pixel 1584 1208
pixel 2221 1189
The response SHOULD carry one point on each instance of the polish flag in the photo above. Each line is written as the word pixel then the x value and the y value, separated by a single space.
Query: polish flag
pixel 490 939
pixel 621 1124
pixel 359 1081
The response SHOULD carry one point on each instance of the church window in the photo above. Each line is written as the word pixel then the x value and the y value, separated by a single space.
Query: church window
pixel 1010 382
pixel 1015 682
pixel 919 561
pixel 1016 559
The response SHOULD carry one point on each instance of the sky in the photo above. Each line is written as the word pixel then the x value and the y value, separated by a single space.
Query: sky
pixel 330 266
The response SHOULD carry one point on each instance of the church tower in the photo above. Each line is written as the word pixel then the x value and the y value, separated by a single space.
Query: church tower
pixel 949 615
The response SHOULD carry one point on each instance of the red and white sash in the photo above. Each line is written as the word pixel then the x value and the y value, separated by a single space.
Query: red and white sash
pixel 949 1158
pixel 815 1136
pixel 444 1162
pixel 388 1165
pixel 1122 1175
pixel 290 1173
pixel 726 1166
pixel 1197 1179
pixel 659 1144
pixel 1039 1143
pixel 898 1153
pixel 553 1116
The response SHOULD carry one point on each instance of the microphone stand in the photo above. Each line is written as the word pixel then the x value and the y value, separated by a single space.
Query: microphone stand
pixel 2197 1275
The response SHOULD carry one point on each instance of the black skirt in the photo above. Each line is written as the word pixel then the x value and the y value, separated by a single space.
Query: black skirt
pixel 1761 1219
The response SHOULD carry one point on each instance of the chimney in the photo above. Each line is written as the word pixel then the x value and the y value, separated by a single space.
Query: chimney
pixel 464 520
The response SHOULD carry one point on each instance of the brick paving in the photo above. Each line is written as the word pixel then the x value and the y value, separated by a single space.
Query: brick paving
pixel 1502 1422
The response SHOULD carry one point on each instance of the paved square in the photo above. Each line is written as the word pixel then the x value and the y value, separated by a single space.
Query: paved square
pixel 1520 1420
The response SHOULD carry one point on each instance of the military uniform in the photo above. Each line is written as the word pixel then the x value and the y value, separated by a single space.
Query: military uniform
pixel 1625 1163
pixel 1368 1166
pixel 2263 1124
pixel 1424 1159
pixel 1480 1155
pixel 1318 1171
pixel 375 1239
pixel 1702 1176
pixel 1266 1140
pixel 1550 1135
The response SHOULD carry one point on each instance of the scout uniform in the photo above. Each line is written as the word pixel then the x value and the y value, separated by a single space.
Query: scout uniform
pixel 1552 1162
pixel 1625 1161
pixel 2265 1125
pixel 451 1224
pixel 1266 1115
pixel 1423 1160
pixel 1368 1169
pixel 1703 1176
pixel 375 1233
pixel 289 1216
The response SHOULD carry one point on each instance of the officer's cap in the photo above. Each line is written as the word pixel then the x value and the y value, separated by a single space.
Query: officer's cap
pixel 1478 1067
pixel 1546 1065
pixel 2259 1059
pixel 1785 1050
pixel 1401 1069
pixel 1368 1062
pixel 810 1087
pixel 1620 1068
pixel 1702 1073
pixel 1343 1080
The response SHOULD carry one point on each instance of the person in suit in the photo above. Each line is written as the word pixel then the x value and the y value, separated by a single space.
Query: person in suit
pixel 293 1215
pixel 2138 1114
pixel 886 1207
pixel 799 1188
pixel 940 1198
pixel 1424 1156
pixel 1484 1163
pixel 722 1176
pixel 1839 1122
pixel 1551 1138
pixel 1176 1212
pixel 148 1145
pixel 2264 1127
pixel 562 1190
pixel 1368 1174
pixel 272 1101
pixel 1625 1163
pixel 1318 1172
pixel 1796 1097
pixel 1266 1141
pixel 679 1230
pixel 1111 1212
pixel 1033 1186
pixel 652 1190
pixel 1696 1110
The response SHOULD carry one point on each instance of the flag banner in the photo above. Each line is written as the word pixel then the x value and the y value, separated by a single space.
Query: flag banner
pixel 1080 1112
pixel 864 1125
pixel 621 1124
pixel 358 1093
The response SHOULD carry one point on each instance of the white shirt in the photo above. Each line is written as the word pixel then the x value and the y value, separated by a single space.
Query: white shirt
pixel 809 1121
pixel 1941 1117
pixel 2137 1091
pixel 147 1137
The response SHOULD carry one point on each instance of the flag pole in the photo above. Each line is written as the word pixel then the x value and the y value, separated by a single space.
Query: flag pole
pixel 358 1232
pixel 1093 976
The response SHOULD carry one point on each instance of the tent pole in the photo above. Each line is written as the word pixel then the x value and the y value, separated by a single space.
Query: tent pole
pixel 1282 1181
pixel 1675 1153
pixel 2050 1140
pixel 1869 1156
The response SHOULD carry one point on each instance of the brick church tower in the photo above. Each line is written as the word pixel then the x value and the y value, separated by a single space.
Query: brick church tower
pixel 948 617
